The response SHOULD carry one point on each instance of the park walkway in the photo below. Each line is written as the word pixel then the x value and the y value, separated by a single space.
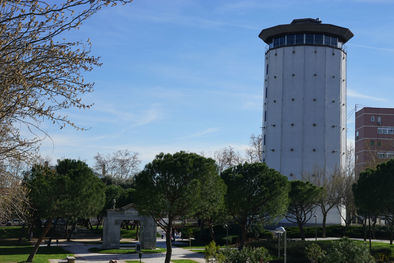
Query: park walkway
pixel 82 254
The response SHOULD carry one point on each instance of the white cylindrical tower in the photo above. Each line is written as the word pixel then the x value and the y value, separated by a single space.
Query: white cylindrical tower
pixel 304 122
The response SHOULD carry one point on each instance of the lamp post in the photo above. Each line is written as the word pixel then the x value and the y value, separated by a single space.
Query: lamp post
pixel 315 216
pixel 281 230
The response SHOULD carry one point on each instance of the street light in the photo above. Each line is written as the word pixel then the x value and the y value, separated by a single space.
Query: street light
pixel 281 230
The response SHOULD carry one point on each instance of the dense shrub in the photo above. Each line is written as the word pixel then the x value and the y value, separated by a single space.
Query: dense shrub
pixel 246 255
pixel 381 255
pixel 212 252
pixel 314 253
pixel 347 251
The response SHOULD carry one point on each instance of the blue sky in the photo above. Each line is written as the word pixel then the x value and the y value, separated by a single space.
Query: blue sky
pixel 188 74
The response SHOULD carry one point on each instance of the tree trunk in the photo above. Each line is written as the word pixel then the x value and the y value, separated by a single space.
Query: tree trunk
pixel 244 236
pixel 29 231
pixel 212 234
pixel 323 224
pixel 168 241
pixel 373 229
pixel 302 233
pixel 52 233
pixel 391 236
pixel 39 240
pixel 365 228
pixel 137 231
pixel 99 218
pixel 89 224
pixel 71 231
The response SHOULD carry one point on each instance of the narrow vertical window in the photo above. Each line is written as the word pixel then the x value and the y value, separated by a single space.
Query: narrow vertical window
pixel 327 40
pixel 309 39
pixel 265 115
pixel 334 41
pixel 266 69
pixel 266 92
pixel 318 39
pixel 264 139
pixel 300 39
pixel 290 40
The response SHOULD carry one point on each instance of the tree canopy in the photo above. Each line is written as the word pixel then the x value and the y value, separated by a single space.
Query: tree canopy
pixel 170 188
pixel 304 198
pixel 255 193
pixel 71 190
pixel 374 195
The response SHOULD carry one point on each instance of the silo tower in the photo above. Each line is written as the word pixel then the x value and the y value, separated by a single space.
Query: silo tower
pixel 304 122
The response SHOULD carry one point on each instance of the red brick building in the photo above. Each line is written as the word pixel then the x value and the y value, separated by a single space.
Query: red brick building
pixel 374 137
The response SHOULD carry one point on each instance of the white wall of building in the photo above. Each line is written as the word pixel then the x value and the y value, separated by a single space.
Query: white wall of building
pixel 305 109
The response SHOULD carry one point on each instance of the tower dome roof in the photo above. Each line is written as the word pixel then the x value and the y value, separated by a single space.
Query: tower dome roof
pixel 306 25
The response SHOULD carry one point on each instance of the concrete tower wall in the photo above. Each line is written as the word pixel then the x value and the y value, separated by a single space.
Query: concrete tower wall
pixel 305 109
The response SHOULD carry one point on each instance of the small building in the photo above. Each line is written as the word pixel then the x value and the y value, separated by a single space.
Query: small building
pixel 374 137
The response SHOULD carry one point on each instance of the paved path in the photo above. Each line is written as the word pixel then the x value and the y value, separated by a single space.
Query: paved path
pixel 82 254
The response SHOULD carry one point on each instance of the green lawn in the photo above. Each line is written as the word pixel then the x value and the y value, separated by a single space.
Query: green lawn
pixel 20 253
pixel 183 261
pixel 126 251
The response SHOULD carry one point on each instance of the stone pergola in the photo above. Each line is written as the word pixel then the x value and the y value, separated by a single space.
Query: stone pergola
pixel 113 220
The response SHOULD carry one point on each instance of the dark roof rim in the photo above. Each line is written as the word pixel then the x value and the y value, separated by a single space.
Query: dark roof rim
pixel 343 33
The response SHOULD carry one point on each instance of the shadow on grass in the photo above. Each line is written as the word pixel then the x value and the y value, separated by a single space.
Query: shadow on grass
pixel 19 250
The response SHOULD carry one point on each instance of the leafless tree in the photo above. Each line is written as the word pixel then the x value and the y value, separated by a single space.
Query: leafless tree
pixel 227 157
pixel 41 74
pixel 122 164
pixel 347 178
pixel 254 152
pixel 13 202
pixel 330 196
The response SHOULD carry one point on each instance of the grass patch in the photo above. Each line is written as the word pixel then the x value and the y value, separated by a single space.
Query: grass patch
pixel 183 261
pixel 125 251
pixel 124 233
pixel 21 253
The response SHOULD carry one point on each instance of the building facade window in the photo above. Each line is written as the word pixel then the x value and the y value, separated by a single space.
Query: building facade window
pixel 372 118
pixel 305 39
pixel 386 130
pixel 385 155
